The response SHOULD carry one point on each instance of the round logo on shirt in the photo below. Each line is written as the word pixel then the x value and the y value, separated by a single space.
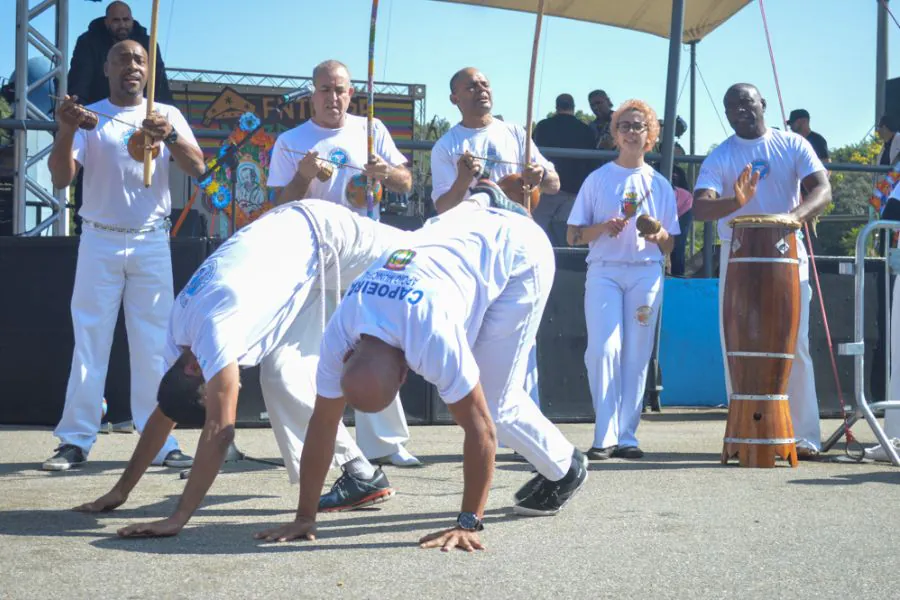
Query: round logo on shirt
pixel 760 166
pixel 198 281
pixel 629 204
pixel 339 157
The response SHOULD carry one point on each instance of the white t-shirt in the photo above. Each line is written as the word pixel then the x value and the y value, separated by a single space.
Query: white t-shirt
pixel 499 141
pixel 429 299
pixel 615 191
pixel 346 146
pixel 242 299
pixel 114 192
pixel 783 159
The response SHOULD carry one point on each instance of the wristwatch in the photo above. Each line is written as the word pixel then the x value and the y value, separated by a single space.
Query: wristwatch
pixel 469 522
pixel 171 138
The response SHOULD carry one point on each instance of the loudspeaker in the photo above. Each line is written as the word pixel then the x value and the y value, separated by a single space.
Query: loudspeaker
pixel 195 224
pixel 892 98
pixel 36 324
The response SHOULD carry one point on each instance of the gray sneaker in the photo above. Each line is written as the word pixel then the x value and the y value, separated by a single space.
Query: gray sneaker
pixel 66 457
pixel 177 459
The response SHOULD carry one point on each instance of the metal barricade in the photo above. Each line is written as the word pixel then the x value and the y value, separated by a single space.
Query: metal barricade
pixel 856 348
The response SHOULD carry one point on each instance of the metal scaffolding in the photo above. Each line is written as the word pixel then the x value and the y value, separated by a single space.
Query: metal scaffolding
pixel 27 191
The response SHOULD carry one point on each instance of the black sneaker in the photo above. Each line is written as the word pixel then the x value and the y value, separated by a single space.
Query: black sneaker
pixel 596 453
pixel 529 488
pixel 549 498
pixel 350 493
pixel 66 457
pixel 178 460
pixel 631 452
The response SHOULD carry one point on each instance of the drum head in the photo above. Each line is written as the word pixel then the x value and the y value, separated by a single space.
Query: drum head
pixel 765 221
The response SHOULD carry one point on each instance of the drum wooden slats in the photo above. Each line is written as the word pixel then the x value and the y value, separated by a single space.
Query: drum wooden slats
pixel 761 314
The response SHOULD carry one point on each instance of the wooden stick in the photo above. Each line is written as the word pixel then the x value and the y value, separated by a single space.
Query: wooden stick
pixel 184 212
pixel 370 113
pixel 530 114
pixel 151 92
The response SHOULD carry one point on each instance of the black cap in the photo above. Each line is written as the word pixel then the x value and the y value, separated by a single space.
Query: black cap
pixel 800 113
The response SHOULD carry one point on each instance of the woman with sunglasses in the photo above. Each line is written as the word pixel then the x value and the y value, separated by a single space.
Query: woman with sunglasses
pixel 625 276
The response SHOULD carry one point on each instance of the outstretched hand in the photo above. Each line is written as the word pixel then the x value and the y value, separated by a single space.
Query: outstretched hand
pixel 165 528
pixel 449 539
pixel 111 500
pixel 745 186
pixel 298 529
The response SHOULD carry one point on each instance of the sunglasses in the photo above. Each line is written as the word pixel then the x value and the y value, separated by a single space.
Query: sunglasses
pixel 625 127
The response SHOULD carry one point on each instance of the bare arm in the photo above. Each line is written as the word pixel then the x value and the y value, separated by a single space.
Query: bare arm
pixel 818 196
pixel 315 460
pixel 551 183
pixel 467 167
pixel 153 438
pixel 295 190
pixel 581 235
pixel 61 162
pixel 399 180
pixel 709 207
pixel 217 435
pixel 188 157
pixel 479 448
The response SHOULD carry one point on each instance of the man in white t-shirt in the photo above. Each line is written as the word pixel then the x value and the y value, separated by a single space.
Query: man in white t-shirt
pixel 341 139
pixel 483 147
pixel 239 309
pixel 123 253
pixel 460 305
pixel 760 170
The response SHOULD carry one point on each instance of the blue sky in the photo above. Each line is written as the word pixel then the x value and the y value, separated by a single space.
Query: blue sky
pixel 825 52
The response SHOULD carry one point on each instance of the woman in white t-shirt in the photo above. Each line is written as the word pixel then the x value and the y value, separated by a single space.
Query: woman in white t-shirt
pixel 624 277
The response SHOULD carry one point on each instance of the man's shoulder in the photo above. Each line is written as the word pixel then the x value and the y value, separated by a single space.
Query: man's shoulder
pixel 293 134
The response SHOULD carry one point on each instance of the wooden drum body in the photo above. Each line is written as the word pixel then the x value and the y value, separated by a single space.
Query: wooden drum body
pixel 761 316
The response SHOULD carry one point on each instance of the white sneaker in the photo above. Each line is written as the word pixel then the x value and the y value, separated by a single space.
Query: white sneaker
pixel 878 453
pixel 400 458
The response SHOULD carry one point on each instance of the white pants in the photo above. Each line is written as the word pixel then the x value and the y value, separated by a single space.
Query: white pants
pixel 892 415
pixel 501 350
pixel 801 383
pixel 114 268
pixel 621 306
pixel 288 381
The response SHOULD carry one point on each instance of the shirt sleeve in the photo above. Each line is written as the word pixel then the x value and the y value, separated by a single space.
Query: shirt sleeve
pixel 582 212
pixel 282 165
pixel 387 149
pixel 443 170
pixel 710 177
pixel 212 351
pixel 805 160
pixel 331 359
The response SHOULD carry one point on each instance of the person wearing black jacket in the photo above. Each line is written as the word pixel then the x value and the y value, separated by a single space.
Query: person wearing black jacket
pixel 563 130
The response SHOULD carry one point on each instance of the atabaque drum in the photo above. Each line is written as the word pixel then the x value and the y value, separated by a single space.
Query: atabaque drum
pixel 761 316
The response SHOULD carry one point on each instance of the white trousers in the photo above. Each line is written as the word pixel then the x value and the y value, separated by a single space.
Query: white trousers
pixel 288 382
pixel 501 350
pixel 115 268
pixel 801 383
pixel 892 415
pixel 621 306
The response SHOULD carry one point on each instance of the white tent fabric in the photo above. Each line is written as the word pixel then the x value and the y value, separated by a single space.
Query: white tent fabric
pixel 649 16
